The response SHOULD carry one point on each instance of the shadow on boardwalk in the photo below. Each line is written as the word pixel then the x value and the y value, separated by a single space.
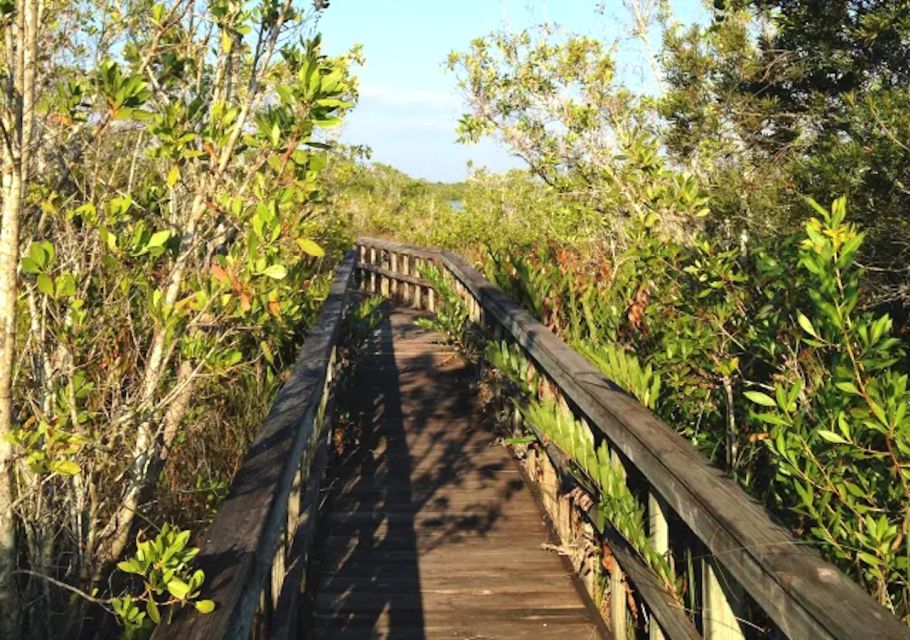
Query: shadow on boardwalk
pixel 429 530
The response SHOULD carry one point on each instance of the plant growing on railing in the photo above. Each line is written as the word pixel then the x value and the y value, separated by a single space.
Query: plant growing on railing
pixel 594 467
pixel 360 320
pixel 451 316
pixel 164 567
pixel 602 476
pixel 511 362
pixel 624 369
pixel 839 422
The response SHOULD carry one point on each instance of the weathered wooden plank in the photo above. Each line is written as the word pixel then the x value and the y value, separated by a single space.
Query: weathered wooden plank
pixel 388 273
pixel 805 595
pixel 416 252
pixel 239 545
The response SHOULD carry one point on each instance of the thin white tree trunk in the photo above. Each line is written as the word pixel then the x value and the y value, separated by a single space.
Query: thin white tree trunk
pixel 20 98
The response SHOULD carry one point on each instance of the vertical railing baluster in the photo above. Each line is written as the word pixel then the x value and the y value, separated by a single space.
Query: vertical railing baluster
pixel 721 598
pixel 406 286
pixel 384 279
pixel 372 273
pixel 417 290
pixel 617 579
pixel 393 290
pixel 659 530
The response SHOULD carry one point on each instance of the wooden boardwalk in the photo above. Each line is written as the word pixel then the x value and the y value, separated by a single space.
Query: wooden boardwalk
pixel 429 529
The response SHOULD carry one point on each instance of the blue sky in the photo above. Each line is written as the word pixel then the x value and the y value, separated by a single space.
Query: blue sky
pixel 409 103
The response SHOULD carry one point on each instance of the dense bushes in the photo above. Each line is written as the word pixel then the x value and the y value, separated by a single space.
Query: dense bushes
pixel 765 363
pixel 174 246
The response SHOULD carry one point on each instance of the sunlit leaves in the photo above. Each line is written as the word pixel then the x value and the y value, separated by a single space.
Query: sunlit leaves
pixel 124 93
pixel 310 247
pixel 164 566
pixel 840 449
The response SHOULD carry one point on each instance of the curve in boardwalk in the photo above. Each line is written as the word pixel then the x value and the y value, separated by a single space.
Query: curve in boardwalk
pixel 430 531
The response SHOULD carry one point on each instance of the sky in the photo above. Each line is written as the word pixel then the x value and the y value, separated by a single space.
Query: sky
pixel 409 102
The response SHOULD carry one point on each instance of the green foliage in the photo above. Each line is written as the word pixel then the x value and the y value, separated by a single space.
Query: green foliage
pixel 603 475
pixel 775 99
pixel 839 428
pixel 451 316
pixel 624 369
pixel 603 156
pixel 510 361
pixel 362 319
pixel 593 465
pixel 177 242
pixel 163 565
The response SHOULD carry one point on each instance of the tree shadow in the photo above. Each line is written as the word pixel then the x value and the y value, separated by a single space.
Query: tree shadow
pixel 423 475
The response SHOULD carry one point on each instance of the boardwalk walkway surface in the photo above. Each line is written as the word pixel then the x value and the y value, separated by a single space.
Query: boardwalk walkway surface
pixel 429 529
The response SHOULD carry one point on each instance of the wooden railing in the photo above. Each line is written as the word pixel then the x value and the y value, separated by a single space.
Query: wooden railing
pixel 752 578
pixel 255 552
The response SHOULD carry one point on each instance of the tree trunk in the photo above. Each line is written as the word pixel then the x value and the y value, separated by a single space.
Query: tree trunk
pixel 18 119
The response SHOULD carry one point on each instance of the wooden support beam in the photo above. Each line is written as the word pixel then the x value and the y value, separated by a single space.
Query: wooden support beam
pixel 722 600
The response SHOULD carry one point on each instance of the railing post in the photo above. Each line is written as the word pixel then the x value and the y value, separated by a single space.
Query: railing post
pixel 659 529
pixel 372 273
pixel 417 289
pixel 393 287
pixel 406 271
pixel 722 598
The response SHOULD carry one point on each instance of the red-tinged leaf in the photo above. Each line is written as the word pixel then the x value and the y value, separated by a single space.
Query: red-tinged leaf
pixel 220 274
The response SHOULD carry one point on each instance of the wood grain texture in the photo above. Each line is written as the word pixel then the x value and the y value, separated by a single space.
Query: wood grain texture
pixel 429 530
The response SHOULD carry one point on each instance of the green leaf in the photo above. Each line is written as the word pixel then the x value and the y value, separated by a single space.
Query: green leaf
pixel 159 238
pixel 806 324
pixel 310 248
pixel 276 272
pixel 173 176
pixel 832 437
pixel 204 606
pixel 30 266
pixel 130 566
pixel 820 209
pixel 45 285
pixel 847 387
pixel 772 418
pixel 275 134
pixel 178 588
pixel 152 607
pixel 65 285
pixel 760 398
pixel 65 467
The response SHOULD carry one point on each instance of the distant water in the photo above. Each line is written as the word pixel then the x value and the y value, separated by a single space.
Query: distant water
pixel 457 205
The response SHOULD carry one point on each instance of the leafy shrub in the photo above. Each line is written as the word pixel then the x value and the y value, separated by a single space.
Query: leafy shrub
pixel 164 567
pixel 839 424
